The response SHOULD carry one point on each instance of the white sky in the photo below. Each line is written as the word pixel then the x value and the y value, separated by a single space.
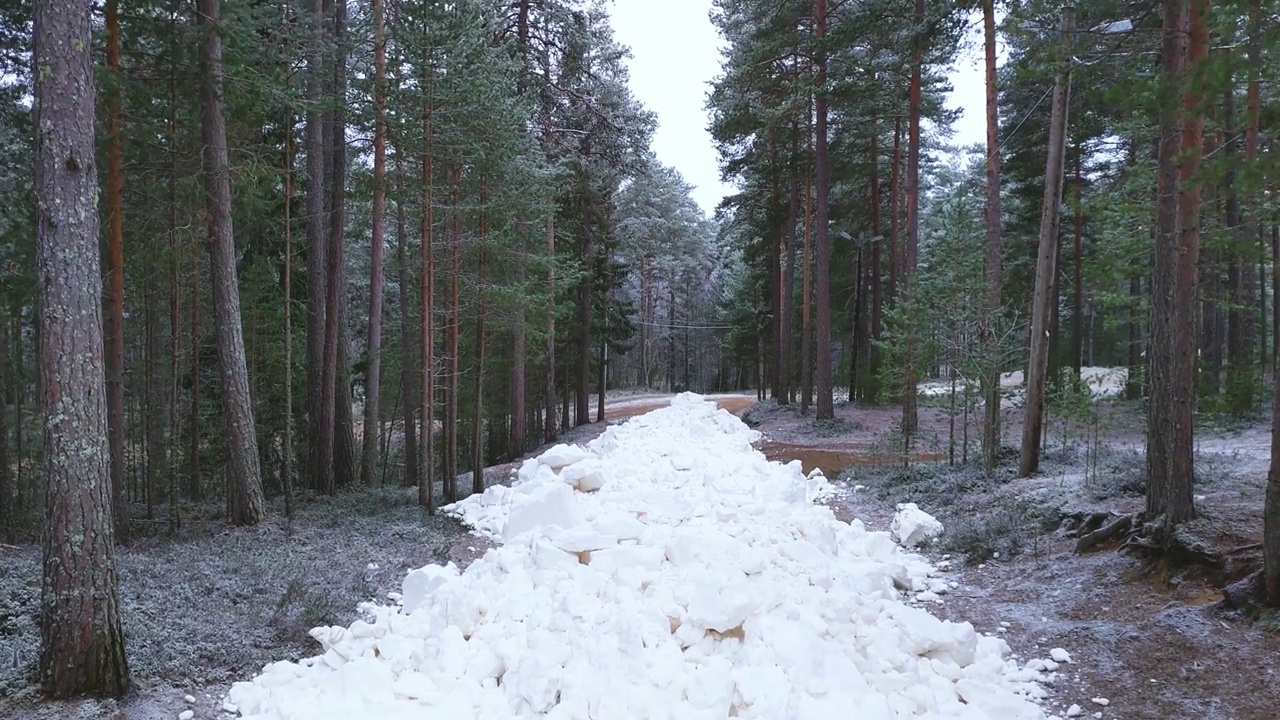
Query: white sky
pixel 676 55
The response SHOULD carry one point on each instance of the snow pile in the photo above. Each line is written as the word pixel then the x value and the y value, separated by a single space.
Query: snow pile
pixel 913 526
pixel 666 570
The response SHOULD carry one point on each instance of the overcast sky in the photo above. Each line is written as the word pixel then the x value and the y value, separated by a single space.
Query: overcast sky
pixel 676 55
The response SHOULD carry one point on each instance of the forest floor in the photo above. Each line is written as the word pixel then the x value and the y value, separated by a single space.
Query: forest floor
pixel 1156 640
pixel 213 605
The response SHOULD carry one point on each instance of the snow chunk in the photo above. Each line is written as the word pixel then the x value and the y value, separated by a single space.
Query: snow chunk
pixel 543 507
pixel 913 526
pixel 1060 655
pixel 418 585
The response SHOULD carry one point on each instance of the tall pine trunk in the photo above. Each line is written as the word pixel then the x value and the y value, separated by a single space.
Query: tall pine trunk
pixel 246 505
pixel 115 275
pixel 822 241
pixel 994 260
pixel 806 286
pixel 427 360
pixel 912 240
pixel 409 377
pixel 373 373
pixel 1168 415
pixel 1044 302
pixel 319 405
pixel 344 455
pixel 81 636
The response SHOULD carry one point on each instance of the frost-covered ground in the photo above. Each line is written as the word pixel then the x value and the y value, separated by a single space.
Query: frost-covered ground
pixel 664 570
pixel 1101 382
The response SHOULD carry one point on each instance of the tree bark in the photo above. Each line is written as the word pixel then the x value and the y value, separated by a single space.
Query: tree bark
pixel 409 396
pixel 373 373
pixel 453 324
pixel 286 471
pixel 8 516
pixel 582 409
pixel 477 428
pixel 912 240
pixel 549 426
pixel 1161 379
pixel 806 302
pixel 1047 262
pixel 871 384
pixel 787 290
pixel 344 456
pixel 1179 504
pixel 244 475
pixel 115 276
pixel 319 405
pixel 822 241
pixel 1077 257
pixel 81 636
pixel 994 259
pixel 426 383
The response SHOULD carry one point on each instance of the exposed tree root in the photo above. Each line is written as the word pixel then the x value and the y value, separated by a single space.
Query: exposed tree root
pixel 1107 532
pixel 1180 545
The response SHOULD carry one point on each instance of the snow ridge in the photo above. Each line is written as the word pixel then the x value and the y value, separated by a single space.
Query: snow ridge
pixel 667 570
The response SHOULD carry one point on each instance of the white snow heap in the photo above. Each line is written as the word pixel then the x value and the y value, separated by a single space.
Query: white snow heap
pixel 913 526
pixel 695 581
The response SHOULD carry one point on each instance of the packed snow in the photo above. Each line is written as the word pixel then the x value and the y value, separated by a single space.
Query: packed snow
pixel 665 570
pixel 913 526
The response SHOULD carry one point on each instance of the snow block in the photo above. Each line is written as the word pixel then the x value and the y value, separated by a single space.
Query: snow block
pixel 913 526
pixel 543 507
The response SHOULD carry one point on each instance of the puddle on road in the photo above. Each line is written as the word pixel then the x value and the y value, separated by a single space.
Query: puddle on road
pixel 832 461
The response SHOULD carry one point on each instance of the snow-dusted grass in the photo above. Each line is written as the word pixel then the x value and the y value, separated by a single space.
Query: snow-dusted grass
pixel 217 603
pixel 666 570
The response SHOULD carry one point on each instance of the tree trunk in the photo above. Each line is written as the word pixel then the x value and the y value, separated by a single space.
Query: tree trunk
pixel 1160 406
pixel 895 210
pixel 1211 292
pixel 286 471
pixel 1240 275
pixel 453 325
pixel 8 528
pixel 806 303
pixel 409 376
pixel 194 490
pixel 822 242
pixel 994 260
pixel 1271 507
pixel 1077 257
pixel 81 636
pixel 1252 223
pixel 1179 505
pixel 1047 261
pixel 319 405
pixel 344 455
pixel 426 383
pixel 912 240
pixel 582 410
pixel 775 279
pixel 549 426
pixel 373 373
pixel 477 429
pixel 244 476
pixel 518 434
pixel 115 276
pixel 787 302
pixel 871 384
